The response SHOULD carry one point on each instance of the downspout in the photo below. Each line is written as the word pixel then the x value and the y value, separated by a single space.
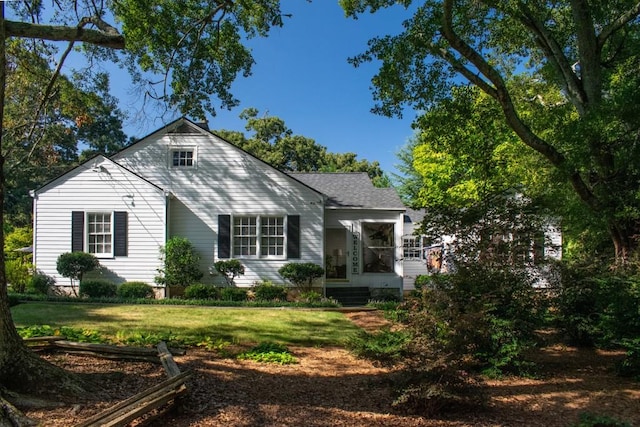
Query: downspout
pixel 324 254
pixel 167 218
pixel 34 245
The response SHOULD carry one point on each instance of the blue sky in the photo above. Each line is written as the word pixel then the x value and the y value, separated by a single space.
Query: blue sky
pixel 302 76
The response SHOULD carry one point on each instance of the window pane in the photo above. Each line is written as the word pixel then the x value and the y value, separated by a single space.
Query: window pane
pixel 99 233
pixel 272 236
pixel 182 158
pixel 378 247
pixel 244 236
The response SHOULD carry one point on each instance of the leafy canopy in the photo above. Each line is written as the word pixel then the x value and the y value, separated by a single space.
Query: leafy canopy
pixel 564 76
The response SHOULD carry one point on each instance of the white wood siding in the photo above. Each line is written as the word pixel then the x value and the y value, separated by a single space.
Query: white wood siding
pixel 226 181
pixel 101 186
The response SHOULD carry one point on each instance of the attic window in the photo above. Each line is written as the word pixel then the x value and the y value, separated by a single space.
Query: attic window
pixel 183 158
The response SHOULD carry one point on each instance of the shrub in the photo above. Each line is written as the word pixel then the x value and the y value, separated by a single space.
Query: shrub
pixel 13 300
pixel 18 274
pixel 233 294
pixel 422 281
pixel 98 288
pixel 200 291
pixel 485 316
pixel 301 275
pixel 135 290
pixel 40 283
pixel 597 308
pixel 630 365
pixel 180 263
pixel 74 265
pixel 229 269
pixel 438 390
pixel 267 291
pixel 310 296
pixel 383 346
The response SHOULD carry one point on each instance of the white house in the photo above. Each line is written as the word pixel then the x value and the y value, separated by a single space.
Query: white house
pixel 183 180
pixel 421 256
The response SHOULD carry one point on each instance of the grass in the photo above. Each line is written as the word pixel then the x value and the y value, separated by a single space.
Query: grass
pixel 193 324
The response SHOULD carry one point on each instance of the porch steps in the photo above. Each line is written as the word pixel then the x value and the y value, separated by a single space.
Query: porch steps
pixel 350 296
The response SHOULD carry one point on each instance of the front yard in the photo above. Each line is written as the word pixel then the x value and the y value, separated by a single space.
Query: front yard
pixel 328 386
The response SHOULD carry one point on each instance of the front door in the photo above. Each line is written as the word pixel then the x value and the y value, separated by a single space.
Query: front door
pixel 336 253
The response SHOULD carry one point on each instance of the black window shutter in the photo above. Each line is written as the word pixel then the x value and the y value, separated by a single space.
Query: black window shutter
pixel 77 231
pixel 224 236
pixel 293 236
pixel 120 234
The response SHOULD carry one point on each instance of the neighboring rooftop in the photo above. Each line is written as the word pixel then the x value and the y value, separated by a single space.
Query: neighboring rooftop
pixel 350 190
pixel 414 216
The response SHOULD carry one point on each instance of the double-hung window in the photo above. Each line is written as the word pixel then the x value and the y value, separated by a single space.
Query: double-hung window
pixel 413 247
pixel 100 234
pixel 103 234
pixel 259 236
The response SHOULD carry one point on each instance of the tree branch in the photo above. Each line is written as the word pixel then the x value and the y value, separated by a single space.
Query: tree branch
pixel 64 33
pixel 590 66
pixel 617 24
pixel 504 99
pixel 556 57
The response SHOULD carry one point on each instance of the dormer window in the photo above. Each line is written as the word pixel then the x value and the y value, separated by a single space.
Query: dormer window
pixel 183 158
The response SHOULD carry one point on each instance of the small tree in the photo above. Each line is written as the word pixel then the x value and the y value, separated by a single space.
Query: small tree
pixel 180 263
pixel 229 269
pixel 301 275
pixel 75 264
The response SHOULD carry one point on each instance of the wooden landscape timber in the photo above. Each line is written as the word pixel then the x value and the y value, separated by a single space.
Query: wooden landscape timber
pixel 161 397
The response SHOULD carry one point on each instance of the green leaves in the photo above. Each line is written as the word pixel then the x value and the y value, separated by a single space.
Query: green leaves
pixel 195 47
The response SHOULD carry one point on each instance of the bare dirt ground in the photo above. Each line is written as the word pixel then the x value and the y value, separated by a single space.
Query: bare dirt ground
pixel 330 387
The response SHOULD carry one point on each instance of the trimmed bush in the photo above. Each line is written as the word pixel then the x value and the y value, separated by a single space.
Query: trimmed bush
pixel 135 290
pixel 233 294
pixel 40 284
pixel 302 274
pixel 98 288
pixel 229 269
pixel 267 291
pixel 75 264
pixel 200 291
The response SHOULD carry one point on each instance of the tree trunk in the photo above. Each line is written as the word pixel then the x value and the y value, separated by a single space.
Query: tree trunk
pixel 625 242
pixel 21 370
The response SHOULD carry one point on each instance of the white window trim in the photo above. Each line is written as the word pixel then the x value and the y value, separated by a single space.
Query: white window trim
pixel 174 149
pixel 111 232
pixel 419 249
pixel 258 254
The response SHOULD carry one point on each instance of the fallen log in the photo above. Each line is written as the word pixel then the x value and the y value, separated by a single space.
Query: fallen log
pixel 144 402
pixel 166 358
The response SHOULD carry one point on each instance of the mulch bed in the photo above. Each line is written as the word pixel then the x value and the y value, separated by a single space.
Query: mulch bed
pixel 330 387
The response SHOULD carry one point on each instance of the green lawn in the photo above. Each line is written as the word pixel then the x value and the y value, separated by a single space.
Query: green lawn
pixel 234 325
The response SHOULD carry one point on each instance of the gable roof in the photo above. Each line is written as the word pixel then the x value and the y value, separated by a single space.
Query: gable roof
pixel 183 125
pixel 350 190
pixel 98 158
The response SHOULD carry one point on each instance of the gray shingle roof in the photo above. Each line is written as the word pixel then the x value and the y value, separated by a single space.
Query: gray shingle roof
pixel 350 190
pixel 414 215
